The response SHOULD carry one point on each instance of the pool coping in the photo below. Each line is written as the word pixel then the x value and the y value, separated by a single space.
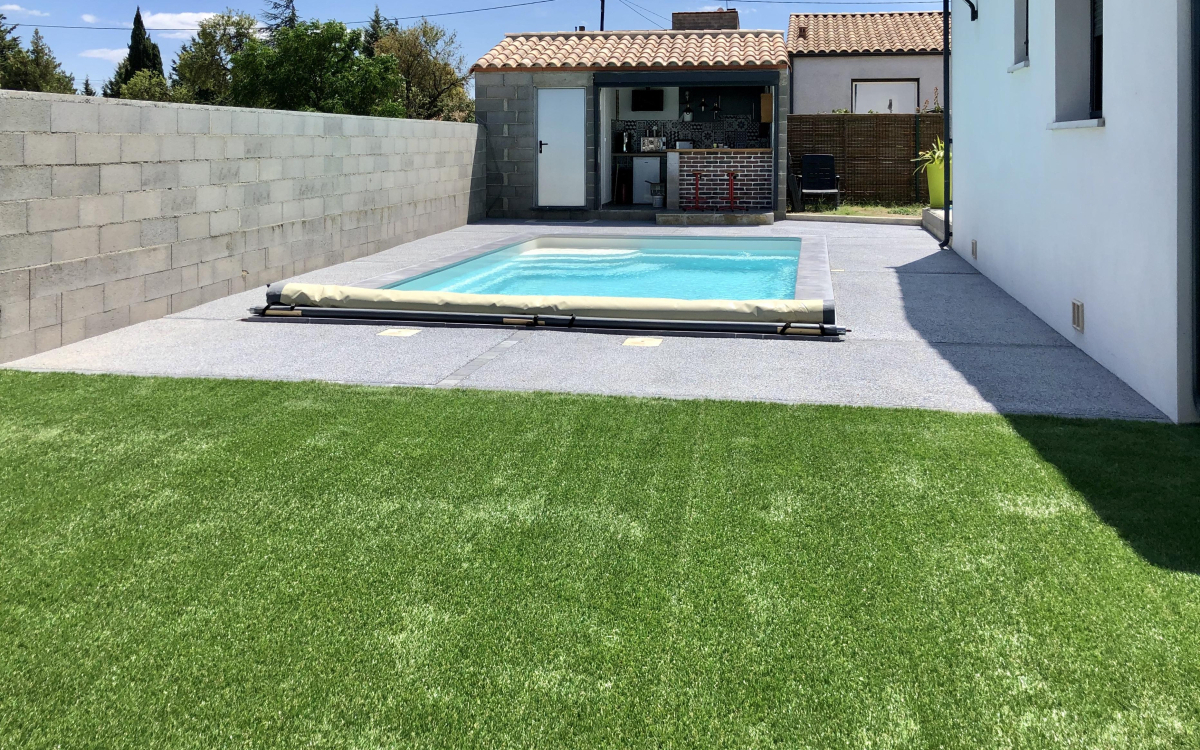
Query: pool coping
pixel 814 280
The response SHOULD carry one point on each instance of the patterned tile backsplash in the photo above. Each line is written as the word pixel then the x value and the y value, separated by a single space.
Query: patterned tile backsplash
pixel 731 131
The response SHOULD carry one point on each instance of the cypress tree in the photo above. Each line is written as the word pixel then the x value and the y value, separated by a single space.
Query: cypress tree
pixel 143 53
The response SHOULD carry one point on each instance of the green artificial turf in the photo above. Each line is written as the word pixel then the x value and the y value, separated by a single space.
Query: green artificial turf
pixel 208 564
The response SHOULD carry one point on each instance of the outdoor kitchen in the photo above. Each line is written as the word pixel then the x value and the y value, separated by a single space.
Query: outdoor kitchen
pixel 685 125
pixel 686 147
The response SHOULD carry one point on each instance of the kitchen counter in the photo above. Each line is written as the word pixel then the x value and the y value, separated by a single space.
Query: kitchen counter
pixel 698 179
pixel 731 150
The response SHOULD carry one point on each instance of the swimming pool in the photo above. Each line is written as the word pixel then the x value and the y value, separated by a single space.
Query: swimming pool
pixel 741 285
pixel 670 268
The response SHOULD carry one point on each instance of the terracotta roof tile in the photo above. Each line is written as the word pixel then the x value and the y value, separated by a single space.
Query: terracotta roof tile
pixel 636 49
pixel 859 33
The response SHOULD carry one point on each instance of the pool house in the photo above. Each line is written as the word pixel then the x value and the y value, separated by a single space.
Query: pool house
pixel 680 126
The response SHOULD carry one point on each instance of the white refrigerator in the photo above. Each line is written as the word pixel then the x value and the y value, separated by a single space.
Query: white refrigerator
pixel 645 171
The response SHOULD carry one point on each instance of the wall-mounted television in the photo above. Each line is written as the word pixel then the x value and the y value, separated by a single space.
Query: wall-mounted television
pixel 647 100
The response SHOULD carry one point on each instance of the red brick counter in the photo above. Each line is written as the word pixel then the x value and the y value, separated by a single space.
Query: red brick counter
pixel 751 189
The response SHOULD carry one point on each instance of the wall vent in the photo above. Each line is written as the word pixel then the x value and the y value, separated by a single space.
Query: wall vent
pixel 974 250
pixel 1077 315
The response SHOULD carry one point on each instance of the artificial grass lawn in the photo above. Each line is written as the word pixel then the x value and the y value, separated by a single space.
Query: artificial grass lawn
pixel 222 563
pixel 866 209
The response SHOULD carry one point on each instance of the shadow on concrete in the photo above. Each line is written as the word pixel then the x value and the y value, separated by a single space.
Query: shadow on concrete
pixel 1141 478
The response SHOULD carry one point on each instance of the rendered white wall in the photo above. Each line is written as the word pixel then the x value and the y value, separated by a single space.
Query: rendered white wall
pixel 1099 214
pixel 823 84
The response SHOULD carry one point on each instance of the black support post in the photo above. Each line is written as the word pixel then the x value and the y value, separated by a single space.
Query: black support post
pixel 946 198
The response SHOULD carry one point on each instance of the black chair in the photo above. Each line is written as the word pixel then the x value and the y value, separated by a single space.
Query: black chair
pixel 818 177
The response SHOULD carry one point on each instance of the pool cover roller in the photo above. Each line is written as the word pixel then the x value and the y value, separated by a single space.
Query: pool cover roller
pixel 320 300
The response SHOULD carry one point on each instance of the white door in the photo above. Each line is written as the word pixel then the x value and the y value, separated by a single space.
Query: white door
pixel 885 97
pixel 562 147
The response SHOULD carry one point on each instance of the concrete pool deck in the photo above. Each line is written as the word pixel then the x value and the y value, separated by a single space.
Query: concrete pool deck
pixel 928 332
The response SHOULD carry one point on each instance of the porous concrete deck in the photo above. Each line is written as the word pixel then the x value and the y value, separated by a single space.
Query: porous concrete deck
pixel 928 332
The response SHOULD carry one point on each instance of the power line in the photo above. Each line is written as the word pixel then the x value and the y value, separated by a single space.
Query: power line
pixel 838 2
pixel 348 23
pixel 642 7
pixel 635 10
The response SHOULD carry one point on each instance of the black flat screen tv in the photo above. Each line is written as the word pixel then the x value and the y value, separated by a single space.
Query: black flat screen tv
pixel 647 100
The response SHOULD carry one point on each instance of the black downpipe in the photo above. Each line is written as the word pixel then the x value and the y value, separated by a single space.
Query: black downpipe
pixel 1196 203
pixel 947 201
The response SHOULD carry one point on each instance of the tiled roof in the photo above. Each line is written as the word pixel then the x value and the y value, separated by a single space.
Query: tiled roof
pixel 861 33
pixel 591 50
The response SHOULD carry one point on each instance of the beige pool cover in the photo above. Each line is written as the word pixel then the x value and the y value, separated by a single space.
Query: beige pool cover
pixel 760 311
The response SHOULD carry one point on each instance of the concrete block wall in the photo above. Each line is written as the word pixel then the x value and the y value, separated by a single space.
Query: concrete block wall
pixel 116 212
pixel 506 103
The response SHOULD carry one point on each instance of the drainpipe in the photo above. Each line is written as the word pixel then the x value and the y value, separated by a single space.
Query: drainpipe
pixel 947 200
pixel 1196 203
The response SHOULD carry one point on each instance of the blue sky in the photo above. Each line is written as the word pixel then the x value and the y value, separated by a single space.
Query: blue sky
pixel 94 52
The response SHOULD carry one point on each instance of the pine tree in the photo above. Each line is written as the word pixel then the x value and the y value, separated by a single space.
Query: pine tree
pixel 143 55
pixel 34 69
pixel 376 29
pixel 87 87
pixel 51 77
pixel 280 14
pixel 9 44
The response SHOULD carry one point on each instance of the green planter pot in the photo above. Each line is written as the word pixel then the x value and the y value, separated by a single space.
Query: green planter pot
pixel 937 184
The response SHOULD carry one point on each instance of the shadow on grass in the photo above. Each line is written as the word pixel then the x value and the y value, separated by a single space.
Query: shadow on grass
pixel 1142 479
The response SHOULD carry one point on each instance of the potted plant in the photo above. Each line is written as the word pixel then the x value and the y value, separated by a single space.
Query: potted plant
pixel 933 164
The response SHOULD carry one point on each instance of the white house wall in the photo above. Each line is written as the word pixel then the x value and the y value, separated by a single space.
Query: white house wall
pixel 823 84
pixel 1096 214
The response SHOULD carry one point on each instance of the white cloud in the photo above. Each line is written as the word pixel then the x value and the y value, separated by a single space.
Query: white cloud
pixel 112 55
pixel 22 11
pixel 175 21
pixel 89 18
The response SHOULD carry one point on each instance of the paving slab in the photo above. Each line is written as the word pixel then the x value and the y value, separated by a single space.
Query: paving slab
pixel 233 349
pixel 929 332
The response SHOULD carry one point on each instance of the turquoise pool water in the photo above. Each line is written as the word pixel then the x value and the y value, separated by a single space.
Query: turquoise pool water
pixel 676 268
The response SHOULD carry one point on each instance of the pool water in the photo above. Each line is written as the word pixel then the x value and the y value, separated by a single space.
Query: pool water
pixel 676 268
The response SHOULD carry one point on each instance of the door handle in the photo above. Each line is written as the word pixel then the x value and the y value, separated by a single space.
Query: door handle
pixel 540 144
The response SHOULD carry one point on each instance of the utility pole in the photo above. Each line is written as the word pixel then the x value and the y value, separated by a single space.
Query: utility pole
pixel 602 15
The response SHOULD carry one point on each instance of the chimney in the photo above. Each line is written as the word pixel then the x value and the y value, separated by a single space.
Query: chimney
pixel 802 32
pixel 706 20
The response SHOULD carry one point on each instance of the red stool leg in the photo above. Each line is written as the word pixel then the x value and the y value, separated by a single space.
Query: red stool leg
pixel 732 176
pixel 696 200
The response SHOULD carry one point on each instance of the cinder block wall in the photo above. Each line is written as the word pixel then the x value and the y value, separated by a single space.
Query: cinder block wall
pixel 507 104
pixel 116 212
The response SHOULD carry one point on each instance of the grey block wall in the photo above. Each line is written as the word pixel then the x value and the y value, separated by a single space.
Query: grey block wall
pixel 506 104
pixel 115 212
pixel 782 107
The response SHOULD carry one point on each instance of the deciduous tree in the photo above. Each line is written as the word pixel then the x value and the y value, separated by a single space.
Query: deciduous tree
pixel 205 64
pixel 316 67
pixel 435 75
